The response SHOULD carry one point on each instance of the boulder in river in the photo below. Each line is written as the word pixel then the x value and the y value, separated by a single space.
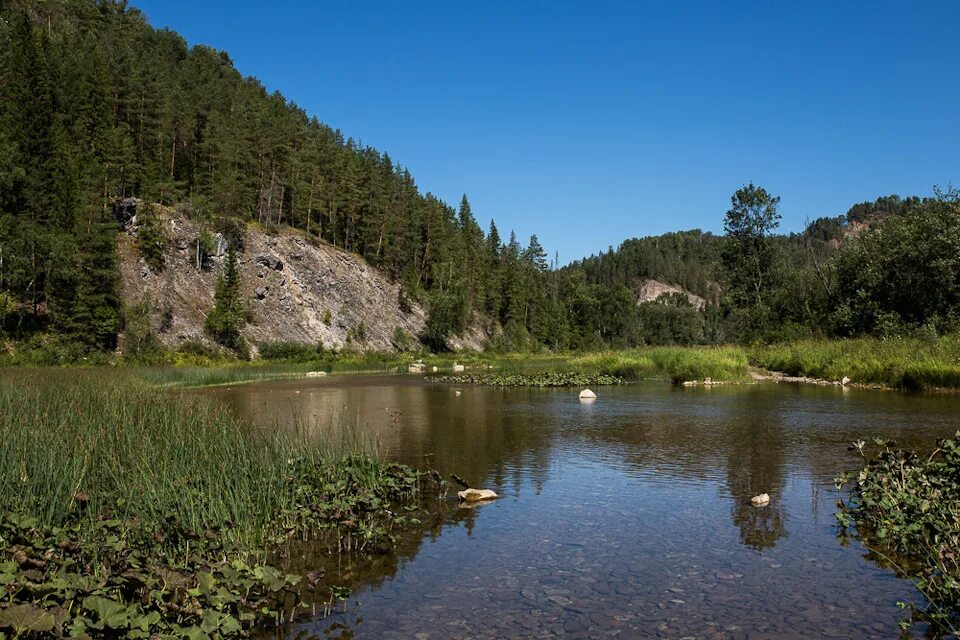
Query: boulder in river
pixel 761 500
pixel 476 495
pixel 587 394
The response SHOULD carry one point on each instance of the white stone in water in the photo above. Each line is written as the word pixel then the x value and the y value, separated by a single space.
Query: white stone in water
pixel 316 374
pixel 417 367
pixel 457 393
pixel 587 394
pixel 761 500
pixel 475 495
pixel 457 367
pixel 845 381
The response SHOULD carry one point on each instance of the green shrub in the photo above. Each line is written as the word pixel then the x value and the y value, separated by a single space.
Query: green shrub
pixel 291 351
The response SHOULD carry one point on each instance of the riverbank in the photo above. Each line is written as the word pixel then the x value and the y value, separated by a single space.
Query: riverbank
pixel 901 363
pixel 906 509
pixel 132 511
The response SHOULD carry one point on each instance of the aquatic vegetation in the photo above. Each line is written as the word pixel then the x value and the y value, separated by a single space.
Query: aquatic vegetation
pixel 905 363
pixel 240 372
pixel 538 379
pixel 129 511
pixel 906 508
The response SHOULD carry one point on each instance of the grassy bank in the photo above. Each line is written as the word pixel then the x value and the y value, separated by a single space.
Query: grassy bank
pixel 128 510
pixel 906 509
pixel 901 363
pixel 677 364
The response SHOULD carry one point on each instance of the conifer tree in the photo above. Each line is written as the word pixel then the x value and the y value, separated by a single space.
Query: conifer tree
pixel 229 315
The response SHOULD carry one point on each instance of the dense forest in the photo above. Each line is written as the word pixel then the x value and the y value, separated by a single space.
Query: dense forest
pixel 97 106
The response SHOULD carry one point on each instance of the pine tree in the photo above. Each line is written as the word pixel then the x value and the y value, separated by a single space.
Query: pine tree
pixel 229 315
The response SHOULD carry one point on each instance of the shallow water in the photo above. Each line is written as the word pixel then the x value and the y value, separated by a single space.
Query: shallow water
pixel 629 517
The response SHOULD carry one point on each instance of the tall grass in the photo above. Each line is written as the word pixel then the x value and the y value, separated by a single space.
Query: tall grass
pixel 236 373
pixel 679 364
pixel 907 363
pixel 141 452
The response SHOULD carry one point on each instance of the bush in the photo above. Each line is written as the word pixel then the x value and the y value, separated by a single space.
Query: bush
pixel 908 506
pixel 150 237
pixel 291 351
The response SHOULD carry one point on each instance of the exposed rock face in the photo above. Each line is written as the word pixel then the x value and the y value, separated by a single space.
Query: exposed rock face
pixel 649 290
pixel 297 289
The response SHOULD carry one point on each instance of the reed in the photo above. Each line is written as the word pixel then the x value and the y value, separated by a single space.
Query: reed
pixel 905 363
pixel 154 455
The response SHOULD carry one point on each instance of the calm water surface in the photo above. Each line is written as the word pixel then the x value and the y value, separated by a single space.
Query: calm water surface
pixel 629 517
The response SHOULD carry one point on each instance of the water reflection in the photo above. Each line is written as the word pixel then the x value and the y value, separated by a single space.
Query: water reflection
pixel 630 516
pixel 756 455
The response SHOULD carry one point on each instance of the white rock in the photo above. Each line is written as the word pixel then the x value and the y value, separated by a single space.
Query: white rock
pixel 761 500
pixel 475 495
pixel 434 368
pixel 417 367
pixel 457 367
pixel 316 374
pixel 457 393
pixel 845 381
pixel 587 394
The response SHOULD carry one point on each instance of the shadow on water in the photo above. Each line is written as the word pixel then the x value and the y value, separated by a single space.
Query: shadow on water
pixel 629 517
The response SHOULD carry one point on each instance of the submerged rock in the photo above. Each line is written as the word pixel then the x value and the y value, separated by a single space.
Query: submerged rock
pixel 476 495
pixel 761 500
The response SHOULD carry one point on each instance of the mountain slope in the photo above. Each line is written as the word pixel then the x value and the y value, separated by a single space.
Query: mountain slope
pixel 297 288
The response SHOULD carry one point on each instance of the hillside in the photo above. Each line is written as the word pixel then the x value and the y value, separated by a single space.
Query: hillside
pixel 98 107
pixel 297 289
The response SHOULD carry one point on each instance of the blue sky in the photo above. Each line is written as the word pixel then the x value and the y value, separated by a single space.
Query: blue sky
pixel 592 122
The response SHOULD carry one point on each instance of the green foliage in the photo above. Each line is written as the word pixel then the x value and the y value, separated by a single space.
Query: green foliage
pixel 176 502
pixel 748 254
pixel 291 351
pixel 907 510
pixel 403 341
pixel 357 334
pixel 446 318
pixel 538 379
pixel 205 249
pixel 902 274
pixel 229 314
pixel 671 319
pixel 140 337
pixel 150 237
pixel 907 363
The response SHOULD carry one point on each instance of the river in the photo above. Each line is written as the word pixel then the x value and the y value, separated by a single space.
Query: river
pixel 629 517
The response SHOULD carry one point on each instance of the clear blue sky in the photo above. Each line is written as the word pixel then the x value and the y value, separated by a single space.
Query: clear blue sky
pixel 592 122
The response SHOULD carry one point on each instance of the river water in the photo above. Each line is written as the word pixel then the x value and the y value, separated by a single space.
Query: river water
pixel 629 517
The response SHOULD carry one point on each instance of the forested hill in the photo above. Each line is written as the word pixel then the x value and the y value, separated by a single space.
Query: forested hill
pixel 99 110
pixel 693 259
pixel 99 106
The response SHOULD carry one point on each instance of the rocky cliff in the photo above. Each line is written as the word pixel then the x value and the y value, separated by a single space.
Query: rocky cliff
pixel 298 289
pixel 649 290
